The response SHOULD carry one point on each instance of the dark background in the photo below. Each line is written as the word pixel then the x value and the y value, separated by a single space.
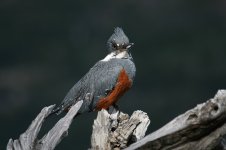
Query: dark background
pixel 46 46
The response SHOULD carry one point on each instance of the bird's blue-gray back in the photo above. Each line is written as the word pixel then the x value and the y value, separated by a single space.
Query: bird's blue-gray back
pixel 94 85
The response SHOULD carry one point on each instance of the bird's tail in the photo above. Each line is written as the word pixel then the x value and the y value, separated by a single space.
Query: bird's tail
pixel 56 111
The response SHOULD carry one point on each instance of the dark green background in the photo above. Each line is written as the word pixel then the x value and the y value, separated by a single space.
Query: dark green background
pixel 46 46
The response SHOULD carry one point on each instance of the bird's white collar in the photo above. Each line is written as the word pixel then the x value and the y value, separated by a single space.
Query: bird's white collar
pixel 112 55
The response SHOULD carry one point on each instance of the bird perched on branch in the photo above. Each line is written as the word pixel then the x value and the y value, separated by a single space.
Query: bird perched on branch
pixel 106 81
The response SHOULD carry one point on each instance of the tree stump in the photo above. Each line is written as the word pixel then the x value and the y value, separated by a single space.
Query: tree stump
pixel 118 130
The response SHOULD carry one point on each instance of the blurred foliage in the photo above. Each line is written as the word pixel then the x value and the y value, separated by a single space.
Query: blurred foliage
pixel 46 46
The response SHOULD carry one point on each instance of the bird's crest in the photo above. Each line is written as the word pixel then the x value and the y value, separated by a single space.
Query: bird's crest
pixel 116 39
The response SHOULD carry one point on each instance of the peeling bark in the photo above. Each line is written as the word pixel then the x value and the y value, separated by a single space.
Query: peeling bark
pixel 118 130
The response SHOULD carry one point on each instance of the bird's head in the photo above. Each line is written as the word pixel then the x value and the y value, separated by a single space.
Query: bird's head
pixel 118 42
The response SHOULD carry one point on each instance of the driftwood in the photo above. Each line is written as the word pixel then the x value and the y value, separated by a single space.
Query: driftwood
pixel 201 128
pixel 28 140
pixel 117 130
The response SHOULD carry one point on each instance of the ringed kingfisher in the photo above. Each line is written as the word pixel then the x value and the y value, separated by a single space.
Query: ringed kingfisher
pixel 106 81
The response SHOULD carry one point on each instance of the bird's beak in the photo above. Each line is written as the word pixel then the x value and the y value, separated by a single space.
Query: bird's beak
pixel 129 45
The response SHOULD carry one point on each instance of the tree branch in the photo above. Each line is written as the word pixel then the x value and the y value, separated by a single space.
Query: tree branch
pixel 200 128
pixel 28 140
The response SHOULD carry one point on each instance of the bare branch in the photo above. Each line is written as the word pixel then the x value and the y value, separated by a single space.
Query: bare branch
pixel 28 140
pixel 199 128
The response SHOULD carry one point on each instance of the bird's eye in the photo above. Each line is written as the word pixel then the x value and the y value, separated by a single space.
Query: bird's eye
pixel 124 46
pixel 114 45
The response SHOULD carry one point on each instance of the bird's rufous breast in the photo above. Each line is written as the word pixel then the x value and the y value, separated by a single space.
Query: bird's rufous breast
pixel 123 84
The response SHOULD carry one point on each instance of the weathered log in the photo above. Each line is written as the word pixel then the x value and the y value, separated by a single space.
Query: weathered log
pixel 200 128
pixel 28 140
pixel 118 130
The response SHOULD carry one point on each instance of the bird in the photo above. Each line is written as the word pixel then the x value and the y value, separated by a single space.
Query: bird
pixel 107 81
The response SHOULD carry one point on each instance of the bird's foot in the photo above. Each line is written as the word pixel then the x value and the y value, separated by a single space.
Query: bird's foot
pixel 114 115
pixel 113 109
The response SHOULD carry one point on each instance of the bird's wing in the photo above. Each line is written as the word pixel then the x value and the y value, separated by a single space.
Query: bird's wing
pixel 103 79
pixel 100 79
